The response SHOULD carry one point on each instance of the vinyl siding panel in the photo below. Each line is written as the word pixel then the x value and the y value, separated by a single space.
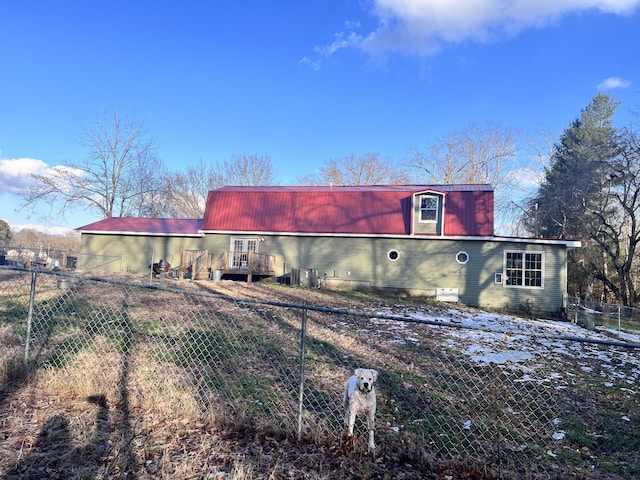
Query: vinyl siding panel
pixel 130 253
pixel 423 265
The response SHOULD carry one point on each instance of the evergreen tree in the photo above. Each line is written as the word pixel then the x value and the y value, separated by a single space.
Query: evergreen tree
pixel 591 192
pixel 5 233
pixel 573 183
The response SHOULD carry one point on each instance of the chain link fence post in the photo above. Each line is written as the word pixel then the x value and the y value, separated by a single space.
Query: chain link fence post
pixel 619 320
pixel 303 341
pixel 32 296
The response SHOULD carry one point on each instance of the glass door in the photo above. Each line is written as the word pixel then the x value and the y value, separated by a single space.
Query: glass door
pixel 240 248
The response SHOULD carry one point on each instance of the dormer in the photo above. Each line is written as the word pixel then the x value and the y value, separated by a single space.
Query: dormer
pixel 428 212
pixel 453 210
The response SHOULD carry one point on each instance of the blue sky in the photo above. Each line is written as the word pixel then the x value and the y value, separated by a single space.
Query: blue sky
pixel 303 82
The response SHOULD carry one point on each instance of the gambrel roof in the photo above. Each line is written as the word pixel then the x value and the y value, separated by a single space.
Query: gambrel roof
pixel 355 210
pixel 366 210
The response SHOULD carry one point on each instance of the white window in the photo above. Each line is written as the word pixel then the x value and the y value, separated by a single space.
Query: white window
pixel 428 208
pixel 523 269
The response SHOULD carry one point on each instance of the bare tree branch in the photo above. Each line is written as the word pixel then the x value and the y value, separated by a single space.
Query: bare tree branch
pixel 114 179
pixel 367 169
pixel 247 170
pixel 185 192
pixel 472 155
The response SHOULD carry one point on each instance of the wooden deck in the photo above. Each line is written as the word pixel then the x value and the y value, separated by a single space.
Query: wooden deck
pixel 201 264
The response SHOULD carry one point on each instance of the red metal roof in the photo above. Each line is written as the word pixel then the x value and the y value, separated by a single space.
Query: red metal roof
pixel 359 210
pixel 158 226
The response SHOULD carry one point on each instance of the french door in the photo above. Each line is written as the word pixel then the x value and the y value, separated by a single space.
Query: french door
pixel 240 248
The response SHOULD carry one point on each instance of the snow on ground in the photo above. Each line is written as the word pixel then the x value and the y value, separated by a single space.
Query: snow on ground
pixel 533 349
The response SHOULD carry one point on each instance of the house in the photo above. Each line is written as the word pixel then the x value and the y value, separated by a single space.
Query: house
pixel 432 240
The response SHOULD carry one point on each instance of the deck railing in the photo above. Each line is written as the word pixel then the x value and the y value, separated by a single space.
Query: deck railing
pixel 194 261
pixel 250 263
pixel 242 263
pixel 261 262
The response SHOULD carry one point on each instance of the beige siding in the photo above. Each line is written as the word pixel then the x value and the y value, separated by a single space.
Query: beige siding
pixel 130 253
pixel 423 264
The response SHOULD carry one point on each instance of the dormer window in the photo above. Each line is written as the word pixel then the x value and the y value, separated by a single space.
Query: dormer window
pixel 428 213
pixel 428 208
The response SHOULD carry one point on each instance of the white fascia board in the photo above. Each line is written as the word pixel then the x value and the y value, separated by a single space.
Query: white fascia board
pixel 142 234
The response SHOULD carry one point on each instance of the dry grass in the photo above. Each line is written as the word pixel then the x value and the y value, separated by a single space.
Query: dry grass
pixel 109 410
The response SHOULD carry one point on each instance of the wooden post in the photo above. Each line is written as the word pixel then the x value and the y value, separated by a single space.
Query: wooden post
pixel 250 266
pixel 181 268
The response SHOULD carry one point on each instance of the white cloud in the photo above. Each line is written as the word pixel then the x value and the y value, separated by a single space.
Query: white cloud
pixel 614 82
pixel 313 64
pixel 15 174
pixel 49 229
pixel 423 27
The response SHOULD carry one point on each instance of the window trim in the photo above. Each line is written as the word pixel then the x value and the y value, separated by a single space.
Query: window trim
pixel 436 209
pixel 523 269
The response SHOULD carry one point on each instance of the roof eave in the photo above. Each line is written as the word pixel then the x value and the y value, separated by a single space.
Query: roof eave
pixel 132 233
pixel 538 241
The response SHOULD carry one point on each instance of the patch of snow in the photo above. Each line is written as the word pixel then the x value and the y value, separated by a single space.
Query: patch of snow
pixel 527 347
pixel 503 357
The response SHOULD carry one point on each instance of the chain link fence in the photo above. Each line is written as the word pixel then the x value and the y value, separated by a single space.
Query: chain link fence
pixel 615 317
pixel 518 400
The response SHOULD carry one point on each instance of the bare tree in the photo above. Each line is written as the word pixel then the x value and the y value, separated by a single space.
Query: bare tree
pixel 472 155
pixel 367 169
pixel 614 222
pixel 246 170
pixel 186 192
pixel 441 162
pixel 542 146
pixel 475 155
pixel 117 177
pixel 31 238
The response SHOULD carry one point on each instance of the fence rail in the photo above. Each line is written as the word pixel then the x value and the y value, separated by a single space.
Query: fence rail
pixel 528 399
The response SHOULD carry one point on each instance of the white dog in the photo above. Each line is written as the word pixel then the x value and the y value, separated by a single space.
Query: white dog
pixel 360 397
